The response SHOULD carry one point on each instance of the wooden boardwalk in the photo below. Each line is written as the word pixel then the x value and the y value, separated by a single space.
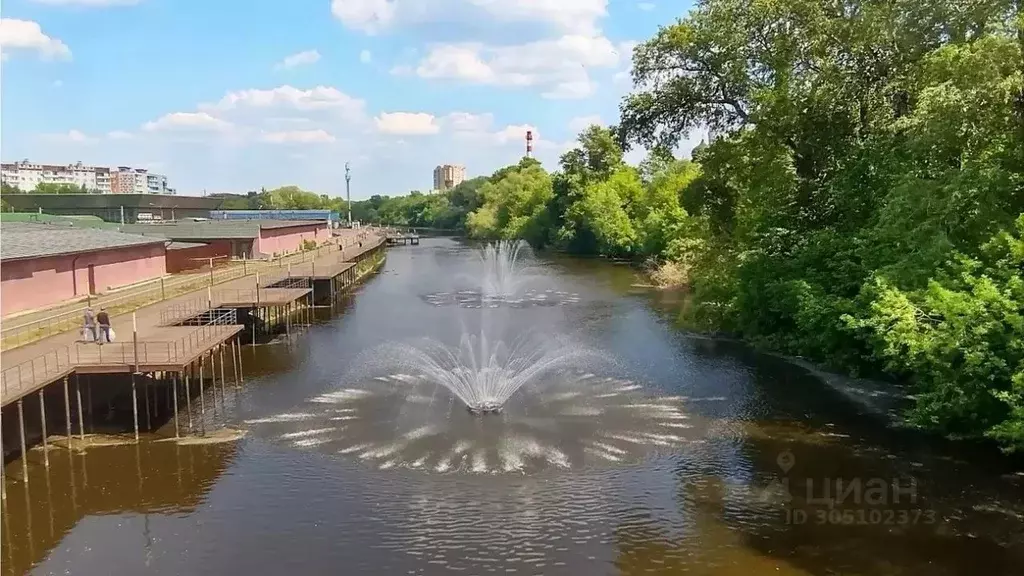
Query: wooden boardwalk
pixel 161 345
pixel 394 239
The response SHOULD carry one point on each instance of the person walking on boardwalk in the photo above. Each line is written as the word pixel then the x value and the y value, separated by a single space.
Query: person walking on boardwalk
pixel 89 332
pixel 104 321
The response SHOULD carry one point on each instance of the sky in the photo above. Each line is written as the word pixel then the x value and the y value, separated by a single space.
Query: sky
pixel 229 96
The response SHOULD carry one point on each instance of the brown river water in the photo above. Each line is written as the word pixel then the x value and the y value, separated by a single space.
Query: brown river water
pixel 644 450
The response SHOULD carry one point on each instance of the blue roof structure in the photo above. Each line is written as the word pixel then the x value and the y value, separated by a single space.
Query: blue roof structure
pixel 273 215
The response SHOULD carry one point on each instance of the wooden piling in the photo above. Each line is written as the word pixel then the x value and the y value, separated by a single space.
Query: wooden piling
pixel 222 379
pixel 67 411
pixel 81 418
pixel 188 398
pixel 202 396
pixel 234 362
pixel 135 407
pixel 3 472
pixel 241 374
pixel 24 449
pixel 42 420
pixel 145 398
pixel 174 388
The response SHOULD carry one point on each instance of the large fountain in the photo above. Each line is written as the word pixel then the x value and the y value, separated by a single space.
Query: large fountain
pixel 550 401
pixel 506 277
pixel 483 372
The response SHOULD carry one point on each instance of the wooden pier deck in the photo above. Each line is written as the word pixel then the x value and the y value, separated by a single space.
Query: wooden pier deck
pixel 162 344
pixel 403 239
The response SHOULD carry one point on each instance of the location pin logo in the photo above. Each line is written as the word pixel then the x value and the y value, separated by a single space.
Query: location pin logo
pixel 786 460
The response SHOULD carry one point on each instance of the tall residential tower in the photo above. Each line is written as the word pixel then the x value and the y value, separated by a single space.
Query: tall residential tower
pixel 448 176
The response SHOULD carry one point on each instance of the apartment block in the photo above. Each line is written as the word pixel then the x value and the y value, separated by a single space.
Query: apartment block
pixel 448 176
pixel 27 175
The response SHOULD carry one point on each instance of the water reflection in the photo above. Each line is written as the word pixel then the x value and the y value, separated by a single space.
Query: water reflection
pixel 147 478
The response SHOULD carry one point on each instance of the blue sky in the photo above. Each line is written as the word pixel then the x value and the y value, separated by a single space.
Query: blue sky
pixel 225 95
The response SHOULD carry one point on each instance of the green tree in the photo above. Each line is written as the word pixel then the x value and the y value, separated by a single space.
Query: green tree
pixel 51 188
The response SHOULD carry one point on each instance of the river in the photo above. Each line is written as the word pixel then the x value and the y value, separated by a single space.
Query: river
pixel 756 467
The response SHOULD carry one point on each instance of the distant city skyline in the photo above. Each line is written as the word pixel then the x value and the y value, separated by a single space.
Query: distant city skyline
pixel 25 175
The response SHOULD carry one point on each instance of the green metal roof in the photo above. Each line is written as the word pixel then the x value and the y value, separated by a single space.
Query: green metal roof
pixel 20 240
pixel 81 221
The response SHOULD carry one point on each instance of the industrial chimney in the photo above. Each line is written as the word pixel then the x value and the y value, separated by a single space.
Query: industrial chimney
pixel 529 143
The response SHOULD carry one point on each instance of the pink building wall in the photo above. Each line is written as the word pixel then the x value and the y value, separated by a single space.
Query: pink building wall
pixel 285 240
pixel 39 282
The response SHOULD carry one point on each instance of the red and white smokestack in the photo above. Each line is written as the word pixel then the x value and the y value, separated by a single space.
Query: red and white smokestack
pixel 529 143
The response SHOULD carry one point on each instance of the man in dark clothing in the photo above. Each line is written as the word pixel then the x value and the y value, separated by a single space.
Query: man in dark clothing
pixel 103 319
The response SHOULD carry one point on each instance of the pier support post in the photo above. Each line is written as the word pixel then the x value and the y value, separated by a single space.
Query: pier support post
pixel 234 362
pixel 202 396
pixel 42 420
pixel 3 473
pixel 81 418
pixel 222 379
pixel 174 390
pixel 67 410
pixel 145 398
pixel 135 407
pixel 241 374
pixel 24 449
pixel 188 399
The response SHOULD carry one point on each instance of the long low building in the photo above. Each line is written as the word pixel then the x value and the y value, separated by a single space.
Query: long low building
pixel 274 215
pixel 44 264
pixel 241 238
pixel 117 208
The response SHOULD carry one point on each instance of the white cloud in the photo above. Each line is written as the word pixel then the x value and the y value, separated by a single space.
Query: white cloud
pixel 318 136
pixel 571 90
pixel 28 35
pixel 374 16
pixel 558 65
pixel 516 133
pixel 198 121
pixel 299 59
pixel 646 6
pixel 370 16
pixel 287 135
pixel 365 57
pixel 72 136
pixel 466 122
pixel 407 123
pixel 288 97
pixel 581 123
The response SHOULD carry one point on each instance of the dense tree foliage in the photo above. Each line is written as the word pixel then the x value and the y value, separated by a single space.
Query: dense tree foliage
pixel 48 188
pixel 443 210
pixel 862 205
